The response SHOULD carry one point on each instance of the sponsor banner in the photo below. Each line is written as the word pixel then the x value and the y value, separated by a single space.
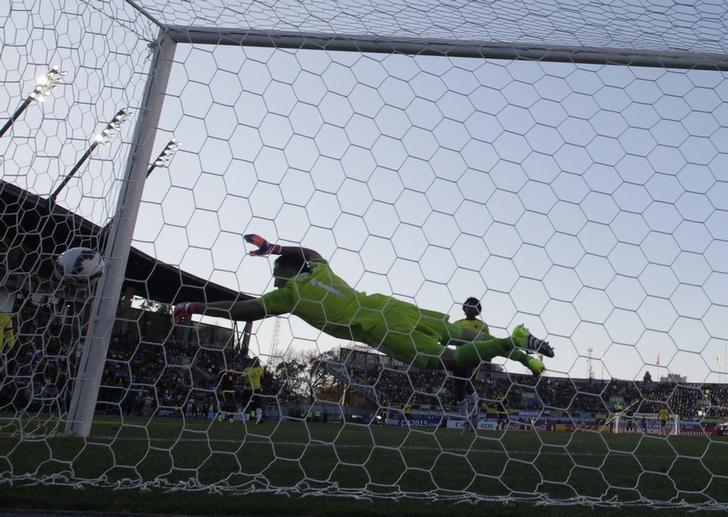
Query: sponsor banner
pixel 529 413
pixel 570 428
pixel 490 425
pixel 697 429
pixel 484 425
pixel 421 421
pixel 695 432
pixel 691 426
pixel 453 423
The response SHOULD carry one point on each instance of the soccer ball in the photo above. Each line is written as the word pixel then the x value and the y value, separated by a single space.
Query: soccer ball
pixel 79 267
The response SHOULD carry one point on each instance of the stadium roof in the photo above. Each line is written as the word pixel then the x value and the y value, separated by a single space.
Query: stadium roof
pixel 31 222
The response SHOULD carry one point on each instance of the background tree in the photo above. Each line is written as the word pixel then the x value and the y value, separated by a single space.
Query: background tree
pixel 317 382
pixel 289 374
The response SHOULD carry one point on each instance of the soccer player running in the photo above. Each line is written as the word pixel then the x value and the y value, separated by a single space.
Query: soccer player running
pixel 308 288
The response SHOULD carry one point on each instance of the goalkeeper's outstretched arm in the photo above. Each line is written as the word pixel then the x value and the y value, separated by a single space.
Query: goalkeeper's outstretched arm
pixel 241 310
pixel 267 248
pixel 293 260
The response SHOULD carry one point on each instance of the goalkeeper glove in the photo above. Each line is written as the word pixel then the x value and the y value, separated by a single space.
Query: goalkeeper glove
pixel 264 247
pixel 184 310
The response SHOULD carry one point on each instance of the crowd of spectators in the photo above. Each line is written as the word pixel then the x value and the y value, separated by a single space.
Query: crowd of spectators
pixel 433 389
pixel 153 368
pixel 169 375
pixel 34 373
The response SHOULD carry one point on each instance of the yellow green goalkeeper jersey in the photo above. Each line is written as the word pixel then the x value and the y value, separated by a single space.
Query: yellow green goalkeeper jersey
pixel 325 301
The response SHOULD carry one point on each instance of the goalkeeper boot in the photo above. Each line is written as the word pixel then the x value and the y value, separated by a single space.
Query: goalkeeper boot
pixel 536 366
pixel 524 339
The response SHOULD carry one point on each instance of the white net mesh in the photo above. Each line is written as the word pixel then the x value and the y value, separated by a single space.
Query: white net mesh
pixel 653 25
pixel 587 201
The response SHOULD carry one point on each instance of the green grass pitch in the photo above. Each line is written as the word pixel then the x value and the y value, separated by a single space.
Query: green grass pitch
pixel 277 468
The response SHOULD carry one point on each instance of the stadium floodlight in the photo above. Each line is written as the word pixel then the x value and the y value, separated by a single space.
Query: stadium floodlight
pixel 44 85
pixel 112 128
pixel 103 137
pixel 163 160
pixel 165 157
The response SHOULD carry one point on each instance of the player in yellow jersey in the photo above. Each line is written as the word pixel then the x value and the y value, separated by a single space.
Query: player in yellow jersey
pixel 309 289
pixel 472 310
pixel 7 333
pixel 663 415
pixel 253 377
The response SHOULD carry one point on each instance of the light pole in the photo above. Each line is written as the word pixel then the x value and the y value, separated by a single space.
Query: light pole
pixel 104 137
pixel 44 84
pixel 589 369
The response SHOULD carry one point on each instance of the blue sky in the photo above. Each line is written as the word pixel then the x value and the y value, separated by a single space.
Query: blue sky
pixel 588 202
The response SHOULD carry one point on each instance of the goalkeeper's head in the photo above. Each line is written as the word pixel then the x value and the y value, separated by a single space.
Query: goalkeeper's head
pixel 287 266
pixel 472 308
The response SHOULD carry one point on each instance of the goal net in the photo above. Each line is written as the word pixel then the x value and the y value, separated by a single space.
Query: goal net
pixel 563 163
pixel 647 423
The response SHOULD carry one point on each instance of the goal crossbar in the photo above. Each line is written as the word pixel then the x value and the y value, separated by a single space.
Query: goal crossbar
pixel 452 48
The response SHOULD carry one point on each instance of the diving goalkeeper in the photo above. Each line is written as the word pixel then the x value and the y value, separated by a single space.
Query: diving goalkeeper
pixel 308 288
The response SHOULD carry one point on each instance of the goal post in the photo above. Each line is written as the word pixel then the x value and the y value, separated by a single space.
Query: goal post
pixel 647 424
pixel 118 245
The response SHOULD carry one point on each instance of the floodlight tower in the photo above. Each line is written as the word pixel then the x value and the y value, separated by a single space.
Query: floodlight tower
pixel 590 370
pixel 275 343
pixel 103 137
pixel 163 160
pixel 165 157
pixel 44 85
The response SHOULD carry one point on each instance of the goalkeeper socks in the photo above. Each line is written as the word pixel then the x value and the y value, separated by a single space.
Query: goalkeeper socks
pixel 530 362
pixel 471 354
pixel 536 366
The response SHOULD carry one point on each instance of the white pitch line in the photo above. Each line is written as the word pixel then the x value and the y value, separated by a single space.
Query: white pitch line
pixel 320 444
pixel 359 446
